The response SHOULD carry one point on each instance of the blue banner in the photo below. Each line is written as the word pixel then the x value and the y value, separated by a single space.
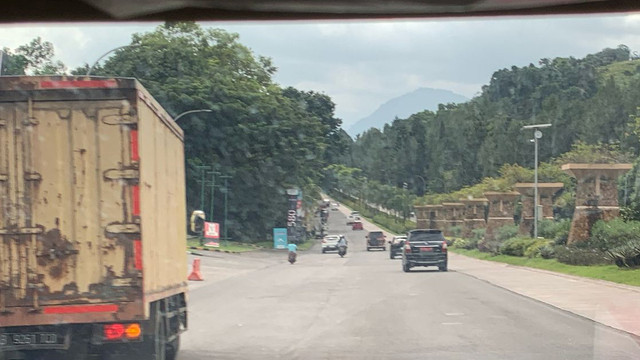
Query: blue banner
pixel 279 238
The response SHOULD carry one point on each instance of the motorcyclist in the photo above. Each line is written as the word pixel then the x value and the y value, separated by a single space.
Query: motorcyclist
pixel 293 252
pixel 342 241
pixel 342 245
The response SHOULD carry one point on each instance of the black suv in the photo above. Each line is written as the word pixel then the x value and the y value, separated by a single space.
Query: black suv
pixel 376 239
pixel 424 247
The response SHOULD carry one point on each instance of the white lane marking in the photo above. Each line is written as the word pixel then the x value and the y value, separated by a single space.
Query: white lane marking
pixel 454 314
pixel 451 323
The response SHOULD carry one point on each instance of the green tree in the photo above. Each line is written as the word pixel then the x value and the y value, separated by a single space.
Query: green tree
pixel 255 133
pixel 34 58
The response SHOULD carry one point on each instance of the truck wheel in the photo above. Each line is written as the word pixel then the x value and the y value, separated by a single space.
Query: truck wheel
pixel 172 349
pixel 156 342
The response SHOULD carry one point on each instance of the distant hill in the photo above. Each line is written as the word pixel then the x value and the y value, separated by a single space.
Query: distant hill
pixel 404 106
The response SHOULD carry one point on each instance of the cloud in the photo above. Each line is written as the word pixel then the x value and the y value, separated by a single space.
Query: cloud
pixel 362 64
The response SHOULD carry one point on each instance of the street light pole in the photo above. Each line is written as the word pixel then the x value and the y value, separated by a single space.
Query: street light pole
pixel 175 119
pixel 107 53
pixel 537 135
pixel 535 188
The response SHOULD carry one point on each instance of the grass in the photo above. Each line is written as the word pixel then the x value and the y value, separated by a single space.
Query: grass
pixel 232 246
pixel 601 272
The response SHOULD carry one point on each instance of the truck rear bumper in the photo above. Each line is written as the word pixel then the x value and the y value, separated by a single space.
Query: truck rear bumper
pixel 72 314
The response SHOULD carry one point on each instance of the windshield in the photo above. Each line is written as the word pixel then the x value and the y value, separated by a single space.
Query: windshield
pixel 176 190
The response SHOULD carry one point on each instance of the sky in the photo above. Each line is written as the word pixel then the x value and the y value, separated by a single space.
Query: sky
pixel 362 64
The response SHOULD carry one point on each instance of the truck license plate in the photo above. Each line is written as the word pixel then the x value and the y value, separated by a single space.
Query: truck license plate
pixel 426 249
pixel 34 340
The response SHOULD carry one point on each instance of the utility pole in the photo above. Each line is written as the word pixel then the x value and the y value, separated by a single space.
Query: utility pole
pixel 213 190
pixel 203 169
pixel 226 195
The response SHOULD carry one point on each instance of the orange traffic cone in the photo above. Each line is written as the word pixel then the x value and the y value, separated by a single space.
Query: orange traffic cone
pixel 195 272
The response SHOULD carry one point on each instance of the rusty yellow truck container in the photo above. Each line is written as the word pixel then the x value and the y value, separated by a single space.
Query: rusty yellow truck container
pixel 92 197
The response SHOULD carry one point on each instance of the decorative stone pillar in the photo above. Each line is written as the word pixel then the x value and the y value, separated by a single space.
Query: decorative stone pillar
pixel 596 196
pixel 453 216
pixel 546 191
pixel 473 216
pixel 422 216
pixel 437 220
pixel 501 209
pixel 427 216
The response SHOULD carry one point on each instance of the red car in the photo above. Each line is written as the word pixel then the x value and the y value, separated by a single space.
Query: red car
pixel 357 225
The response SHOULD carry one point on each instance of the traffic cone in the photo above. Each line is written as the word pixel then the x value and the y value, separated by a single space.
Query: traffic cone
pixel 195 272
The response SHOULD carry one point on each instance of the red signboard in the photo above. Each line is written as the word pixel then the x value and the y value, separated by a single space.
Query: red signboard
pixel 211 230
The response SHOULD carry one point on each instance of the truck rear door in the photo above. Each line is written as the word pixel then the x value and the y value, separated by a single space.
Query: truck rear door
pixel 68 180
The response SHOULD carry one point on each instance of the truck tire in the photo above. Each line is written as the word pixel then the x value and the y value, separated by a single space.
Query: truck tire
pixel 172 349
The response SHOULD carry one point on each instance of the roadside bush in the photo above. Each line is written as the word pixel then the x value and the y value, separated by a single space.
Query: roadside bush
pixel 626 255
pixel 455 231
pixel 478 234
pixel 548 252
pixel 620 241
pixel 606 235
pixel 506 232
pixel 535 250
pixel 558 231
pixel 469 244
pixel 516 246
pixel 580 256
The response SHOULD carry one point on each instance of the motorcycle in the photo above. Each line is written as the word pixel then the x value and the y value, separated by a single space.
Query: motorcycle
pixel 292 257
pixel 342 251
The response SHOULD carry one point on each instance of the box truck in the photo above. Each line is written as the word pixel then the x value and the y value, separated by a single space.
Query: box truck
pixel 92 230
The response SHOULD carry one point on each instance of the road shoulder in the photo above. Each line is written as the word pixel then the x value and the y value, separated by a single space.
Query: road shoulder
pixel 610 304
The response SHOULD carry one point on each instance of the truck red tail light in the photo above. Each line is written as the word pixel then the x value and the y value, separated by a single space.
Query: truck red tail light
pixel 118 331
pixel 113 331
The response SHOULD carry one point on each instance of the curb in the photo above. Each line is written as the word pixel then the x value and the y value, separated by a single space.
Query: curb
pixel 555 273
pixel 222 251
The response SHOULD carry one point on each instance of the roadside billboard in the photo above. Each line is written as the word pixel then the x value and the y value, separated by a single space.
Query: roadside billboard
pixel 292 215
pixel 212 231
pixel 279 238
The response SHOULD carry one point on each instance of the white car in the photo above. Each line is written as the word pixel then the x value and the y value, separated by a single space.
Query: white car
pixel 353 217
pixel 330 242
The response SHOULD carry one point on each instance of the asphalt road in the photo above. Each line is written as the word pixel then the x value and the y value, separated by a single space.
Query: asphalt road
pixel 257 306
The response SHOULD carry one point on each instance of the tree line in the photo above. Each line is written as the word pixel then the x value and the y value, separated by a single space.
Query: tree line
pixel 590 100
pixel 266 138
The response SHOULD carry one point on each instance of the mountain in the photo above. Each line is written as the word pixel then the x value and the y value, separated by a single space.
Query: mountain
pixel 405 105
